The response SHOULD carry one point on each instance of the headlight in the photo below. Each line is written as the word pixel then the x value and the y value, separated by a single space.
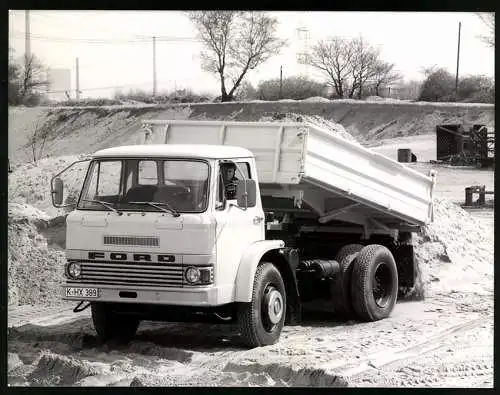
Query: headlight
pixel 192 275
pixel 73 270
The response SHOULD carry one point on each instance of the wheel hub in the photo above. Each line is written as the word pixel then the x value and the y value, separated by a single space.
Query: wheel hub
pixel 274 305
pixel 382 283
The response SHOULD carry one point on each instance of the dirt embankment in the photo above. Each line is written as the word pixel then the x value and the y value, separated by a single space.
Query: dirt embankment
pixel 87 129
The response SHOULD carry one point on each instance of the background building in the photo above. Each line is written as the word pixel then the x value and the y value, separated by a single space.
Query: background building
pixel 60 84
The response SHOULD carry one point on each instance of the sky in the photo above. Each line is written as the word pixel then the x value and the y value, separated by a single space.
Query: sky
pixel 115 49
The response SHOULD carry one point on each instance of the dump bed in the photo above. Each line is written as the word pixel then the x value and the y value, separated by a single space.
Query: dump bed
pixel 304 157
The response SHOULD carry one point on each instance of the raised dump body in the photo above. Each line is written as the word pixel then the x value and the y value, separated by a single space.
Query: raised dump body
pixel 338 179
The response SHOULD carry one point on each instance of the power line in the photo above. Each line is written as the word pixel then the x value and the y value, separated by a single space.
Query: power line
pixel 51 19
pixel 117 86
pixel 138 39
pixel 104 87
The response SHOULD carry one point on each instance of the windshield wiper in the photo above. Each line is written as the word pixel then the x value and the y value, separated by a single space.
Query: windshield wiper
pixel 158 205
pixel 105 204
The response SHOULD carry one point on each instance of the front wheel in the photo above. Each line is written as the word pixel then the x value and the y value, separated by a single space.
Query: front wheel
pixel 262 319
pixel 112 326
pixel 374 283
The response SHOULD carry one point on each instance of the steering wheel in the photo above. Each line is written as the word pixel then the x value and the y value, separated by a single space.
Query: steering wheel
pixel 183 192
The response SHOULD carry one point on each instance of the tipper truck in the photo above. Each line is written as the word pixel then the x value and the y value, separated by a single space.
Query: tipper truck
pixel 240 222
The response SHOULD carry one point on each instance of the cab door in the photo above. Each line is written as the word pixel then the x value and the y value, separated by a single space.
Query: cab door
pixel 236 228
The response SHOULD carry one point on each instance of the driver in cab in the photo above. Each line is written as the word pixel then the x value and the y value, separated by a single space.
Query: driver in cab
pixel 230 179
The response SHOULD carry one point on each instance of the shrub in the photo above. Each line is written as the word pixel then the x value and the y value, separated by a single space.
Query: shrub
pixel 88 102
pixel 438 86
pixel 297 88
pixel 246 91
pixel 476 89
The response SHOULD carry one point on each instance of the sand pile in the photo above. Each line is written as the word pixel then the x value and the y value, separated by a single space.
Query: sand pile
pixel 35 271
pixel 30 183
pixel 455 252
pixel 316 120
pixel 316 99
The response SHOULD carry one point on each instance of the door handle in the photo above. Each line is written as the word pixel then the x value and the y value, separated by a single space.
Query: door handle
pixel 257 220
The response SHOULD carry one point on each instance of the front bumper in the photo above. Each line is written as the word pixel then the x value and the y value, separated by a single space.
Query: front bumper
pixel 199 296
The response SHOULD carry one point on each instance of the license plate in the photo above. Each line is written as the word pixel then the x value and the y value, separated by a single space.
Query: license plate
pixel 82 292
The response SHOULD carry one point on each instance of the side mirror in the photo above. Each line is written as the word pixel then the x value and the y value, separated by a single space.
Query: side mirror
pixel 246 193
pixel 57 192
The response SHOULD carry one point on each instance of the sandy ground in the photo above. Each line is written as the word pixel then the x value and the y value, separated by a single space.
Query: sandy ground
pixel 424 146
pixel 422 344
pixel 445 340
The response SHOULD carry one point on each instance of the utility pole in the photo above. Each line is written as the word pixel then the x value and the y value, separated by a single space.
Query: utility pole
pixel 27 50
pixel 27 45
pixel 458 59
pixel 154 66
pixel 77 81
pixel 281 82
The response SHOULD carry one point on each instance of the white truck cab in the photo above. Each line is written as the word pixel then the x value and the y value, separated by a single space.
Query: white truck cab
pixel 201 232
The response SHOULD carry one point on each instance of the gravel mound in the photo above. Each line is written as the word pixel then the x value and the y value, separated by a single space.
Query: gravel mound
pixel 281 375
pixel 315 120
pixel 55 369
pixel 30 183
pixel 35 271
pixel 317 99
pixel 13 362
pixel 454 252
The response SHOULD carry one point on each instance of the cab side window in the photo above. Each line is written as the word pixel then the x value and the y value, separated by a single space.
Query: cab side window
pixel 220 197
pixel 230 173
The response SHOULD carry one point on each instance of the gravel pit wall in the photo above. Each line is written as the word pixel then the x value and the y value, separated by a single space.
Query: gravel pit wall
pixel 75 130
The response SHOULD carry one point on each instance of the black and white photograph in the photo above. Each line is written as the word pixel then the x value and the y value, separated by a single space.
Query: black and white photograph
pixel 232 198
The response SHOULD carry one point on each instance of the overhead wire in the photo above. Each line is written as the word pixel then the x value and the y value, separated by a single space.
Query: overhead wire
pixel 57 20
pixel 102 88
pixel 138 39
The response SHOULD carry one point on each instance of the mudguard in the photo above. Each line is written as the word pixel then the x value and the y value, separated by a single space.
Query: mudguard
pixel 248 266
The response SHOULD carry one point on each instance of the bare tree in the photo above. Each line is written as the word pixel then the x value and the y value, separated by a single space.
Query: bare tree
pixel 365 58
pixel 488 19
pixel 235 43
pixel 33 77
pixel 383 75
pixel 14 72
pixel 27 77
pixel 334 58
pixel 37 138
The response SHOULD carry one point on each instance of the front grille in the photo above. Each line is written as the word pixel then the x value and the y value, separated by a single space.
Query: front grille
pixel 143 241
pixel 131 273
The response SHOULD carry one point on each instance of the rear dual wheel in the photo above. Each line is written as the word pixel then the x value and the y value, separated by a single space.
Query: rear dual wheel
pixel 366 286
pixel 374 283
pixel 340 285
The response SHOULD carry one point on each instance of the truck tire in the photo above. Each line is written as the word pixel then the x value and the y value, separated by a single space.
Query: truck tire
pixel 340 290
pixel 112 326
pixel 262 319
pixel 374 283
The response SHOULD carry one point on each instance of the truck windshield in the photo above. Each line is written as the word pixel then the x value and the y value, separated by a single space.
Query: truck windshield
pixel 133 184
